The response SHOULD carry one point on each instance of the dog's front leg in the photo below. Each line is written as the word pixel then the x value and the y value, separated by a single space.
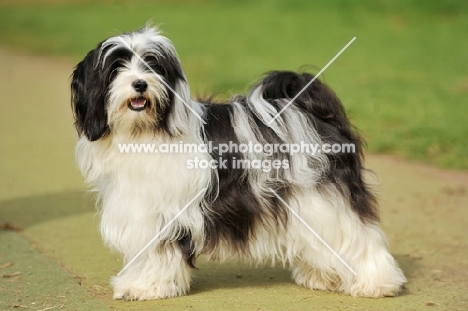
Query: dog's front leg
pixel 160 272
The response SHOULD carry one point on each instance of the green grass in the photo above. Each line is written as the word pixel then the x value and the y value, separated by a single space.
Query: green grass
pixel 404 80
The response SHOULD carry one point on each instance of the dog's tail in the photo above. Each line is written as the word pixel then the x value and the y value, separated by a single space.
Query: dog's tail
pixel 326 114
pixel 314 98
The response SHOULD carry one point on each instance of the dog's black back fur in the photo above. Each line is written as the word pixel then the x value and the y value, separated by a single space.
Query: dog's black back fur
pixel 330 120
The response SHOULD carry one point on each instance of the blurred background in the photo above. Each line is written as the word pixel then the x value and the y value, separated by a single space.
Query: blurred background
pixel 404 81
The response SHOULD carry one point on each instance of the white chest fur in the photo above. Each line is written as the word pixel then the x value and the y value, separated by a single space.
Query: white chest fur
pixel 140 192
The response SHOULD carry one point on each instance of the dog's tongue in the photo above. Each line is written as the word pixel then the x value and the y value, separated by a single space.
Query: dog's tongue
pixel 138 102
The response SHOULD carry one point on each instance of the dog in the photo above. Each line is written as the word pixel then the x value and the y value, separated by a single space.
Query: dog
pixel 131 89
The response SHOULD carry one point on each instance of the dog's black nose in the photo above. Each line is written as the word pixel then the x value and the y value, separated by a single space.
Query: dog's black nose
pixel 140 85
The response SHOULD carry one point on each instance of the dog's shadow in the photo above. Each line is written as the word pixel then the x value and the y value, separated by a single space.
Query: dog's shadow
pixel 234 274
pixel 410 266
pixel 212 275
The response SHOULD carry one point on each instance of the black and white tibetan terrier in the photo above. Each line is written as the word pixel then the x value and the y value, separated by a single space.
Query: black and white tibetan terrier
pixel 132 89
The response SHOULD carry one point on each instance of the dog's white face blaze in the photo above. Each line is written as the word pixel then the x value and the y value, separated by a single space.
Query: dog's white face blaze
pixel 141 193
pixel 123 97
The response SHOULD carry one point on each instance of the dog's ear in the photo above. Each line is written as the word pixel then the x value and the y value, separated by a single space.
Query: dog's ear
pixel 88 97
pixel 179 118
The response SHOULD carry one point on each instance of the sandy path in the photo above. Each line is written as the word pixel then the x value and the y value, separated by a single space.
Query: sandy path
pixel 424 213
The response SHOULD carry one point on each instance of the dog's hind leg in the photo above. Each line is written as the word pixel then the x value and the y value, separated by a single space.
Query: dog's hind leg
pixel 356 261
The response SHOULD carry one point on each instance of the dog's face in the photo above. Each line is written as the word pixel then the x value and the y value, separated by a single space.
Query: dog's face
pixel 130 84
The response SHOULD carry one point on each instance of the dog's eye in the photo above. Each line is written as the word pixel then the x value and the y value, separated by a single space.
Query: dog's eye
pixel 113 73
pixel 153 62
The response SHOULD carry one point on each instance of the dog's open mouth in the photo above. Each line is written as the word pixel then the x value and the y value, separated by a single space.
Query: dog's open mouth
pixel 138 103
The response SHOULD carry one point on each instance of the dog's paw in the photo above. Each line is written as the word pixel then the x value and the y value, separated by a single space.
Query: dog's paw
pixel 131 294
pixel 380 285
pixel 387 290
pixel 314 279
pixel 143 289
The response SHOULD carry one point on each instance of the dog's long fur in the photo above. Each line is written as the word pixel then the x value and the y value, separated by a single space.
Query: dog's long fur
pixel 238 215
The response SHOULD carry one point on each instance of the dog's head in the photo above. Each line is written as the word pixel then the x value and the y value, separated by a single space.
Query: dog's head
pixel 132 83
